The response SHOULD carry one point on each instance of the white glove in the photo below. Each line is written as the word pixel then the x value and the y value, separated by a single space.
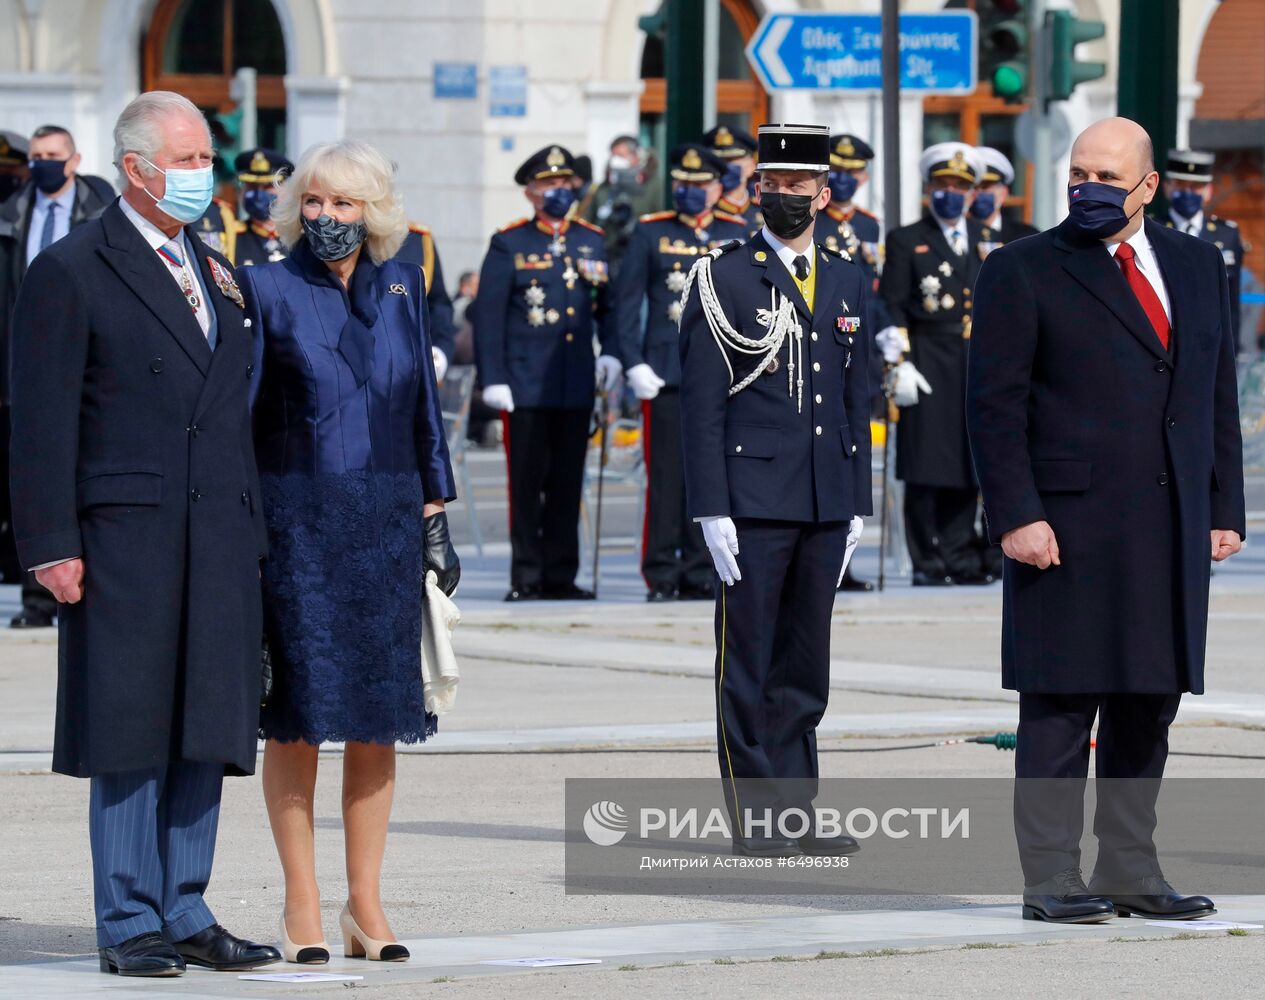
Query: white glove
pixel 441 363
pixel 722 542
pixel 645 383
pixel 907 382
pixel 608 369
pixel 499 397
pixel 893 342
pixel 854 536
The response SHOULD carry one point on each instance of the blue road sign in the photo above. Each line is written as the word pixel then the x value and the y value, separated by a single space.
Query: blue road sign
pixel 842 52
pixel 507 91
pixel 456 80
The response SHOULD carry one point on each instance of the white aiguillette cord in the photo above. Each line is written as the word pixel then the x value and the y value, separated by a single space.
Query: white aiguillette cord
pixel 782 323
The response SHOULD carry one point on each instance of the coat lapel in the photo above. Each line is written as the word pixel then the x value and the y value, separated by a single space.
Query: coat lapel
pixel 141 269
pixel 1092 265
pixel 228 316
pixel 1174 275
pixel 776 274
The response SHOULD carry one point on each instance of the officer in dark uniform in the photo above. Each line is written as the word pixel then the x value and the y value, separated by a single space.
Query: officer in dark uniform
pixel 990 199
pixel 543 294
pixel 775 406
pixel 663 248
pixel 219 227
pixel 419 249
pixel 926 285
pixel 737 149
pixel 1188 188
pixel 258 171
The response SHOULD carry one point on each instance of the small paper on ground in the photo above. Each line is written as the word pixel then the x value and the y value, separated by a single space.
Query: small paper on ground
pixel 1204 925
pixel 299 977
pixel 541 963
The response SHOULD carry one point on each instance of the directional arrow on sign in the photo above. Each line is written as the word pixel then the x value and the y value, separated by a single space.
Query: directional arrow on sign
pixel 770 60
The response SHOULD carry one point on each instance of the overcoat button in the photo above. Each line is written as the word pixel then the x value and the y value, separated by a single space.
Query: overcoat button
pixel 1162 479
pixel 1161 367
pixel 250 369
pixel 245 499
pixel 1172 422
pixel 816 366
pixel 818 430
pixel 195 495
pixel 738 450
pixel 156 365
pixel 817 398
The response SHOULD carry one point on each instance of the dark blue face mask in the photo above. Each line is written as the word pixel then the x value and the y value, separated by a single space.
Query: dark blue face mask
pixel 690 200
pixel 1097 210
pixel 732 179
pixel 258 203
pixel 1186 203
pixel 48 175
pixel 558 201
pixel 948 205
pixel 842 186
pixel 330 239
pixel 984 205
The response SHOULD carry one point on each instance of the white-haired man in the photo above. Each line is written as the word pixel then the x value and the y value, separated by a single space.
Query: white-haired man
pixel 136 504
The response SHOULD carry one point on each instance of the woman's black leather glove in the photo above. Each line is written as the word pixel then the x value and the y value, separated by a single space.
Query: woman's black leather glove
pixel 438 553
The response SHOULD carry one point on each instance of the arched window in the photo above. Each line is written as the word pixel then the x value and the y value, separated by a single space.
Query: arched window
pixel 195 46
pixel 740 100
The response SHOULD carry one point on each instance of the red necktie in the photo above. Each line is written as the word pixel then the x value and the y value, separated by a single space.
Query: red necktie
pixel 1151 304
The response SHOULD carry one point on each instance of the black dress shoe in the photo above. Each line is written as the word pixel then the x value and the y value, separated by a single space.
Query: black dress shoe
pixel 1155 899
pixel 215 948
pixel 31 619
pixel 522 592
pixel 850 584
pixel 766 847
pixel 706 592
pixel 660 593
pixel 927 580
pixel 974 579
pixel 821 847
pixel 143 955
pixel 1064 899
pixel 566 592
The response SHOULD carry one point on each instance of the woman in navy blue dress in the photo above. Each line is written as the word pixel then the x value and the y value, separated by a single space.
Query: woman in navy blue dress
pixel 354 473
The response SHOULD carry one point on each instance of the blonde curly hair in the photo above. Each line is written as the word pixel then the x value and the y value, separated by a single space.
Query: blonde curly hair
pixel 357 171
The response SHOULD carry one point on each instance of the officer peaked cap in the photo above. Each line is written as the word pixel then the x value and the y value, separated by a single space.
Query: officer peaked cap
pixel 794 147
pixel 549 161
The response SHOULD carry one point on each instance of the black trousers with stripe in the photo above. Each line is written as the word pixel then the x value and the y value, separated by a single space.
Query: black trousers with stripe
pixel 545 451
pixel 1051 767
pixel 673 553
pixel 773 663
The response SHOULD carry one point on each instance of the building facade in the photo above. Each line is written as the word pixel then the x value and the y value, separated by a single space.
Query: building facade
pixel 460 91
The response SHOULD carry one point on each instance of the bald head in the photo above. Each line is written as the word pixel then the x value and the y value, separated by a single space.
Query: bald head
pixel 1118 152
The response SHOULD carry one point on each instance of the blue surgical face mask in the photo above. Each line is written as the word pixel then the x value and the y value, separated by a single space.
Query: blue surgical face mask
pixel 1097 210
pixel 188 193
pixel 732 179
pixel 984 205
pixel 1186 203
pixel 258 203
pixel 558 201
pixel 842 186
pixel 689 200
pixel 48 175
pixel 947 204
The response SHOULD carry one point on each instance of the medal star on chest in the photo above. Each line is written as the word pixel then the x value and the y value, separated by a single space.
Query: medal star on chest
pixel 535 295
pixel 930 285
pixel 945 268
pixel 535 316
pixel 675 281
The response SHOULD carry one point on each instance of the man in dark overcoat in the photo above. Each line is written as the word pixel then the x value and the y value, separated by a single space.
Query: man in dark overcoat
pixel 1103 418
pixel 136 502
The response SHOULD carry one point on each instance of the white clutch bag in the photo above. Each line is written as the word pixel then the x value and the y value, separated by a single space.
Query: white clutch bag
pixel 439 664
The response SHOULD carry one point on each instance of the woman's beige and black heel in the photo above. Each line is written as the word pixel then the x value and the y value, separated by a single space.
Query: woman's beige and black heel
pixel 358 944
pixel 302 954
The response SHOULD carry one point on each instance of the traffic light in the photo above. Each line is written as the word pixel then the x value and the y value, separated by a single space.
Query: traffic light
pixel 1065 31
pixel 1004 53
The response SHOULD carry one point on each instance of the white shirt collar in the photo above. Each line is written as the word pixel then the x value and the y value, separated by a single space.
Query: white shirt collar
pixel 65 200
pixel 154 236
pixel 1142 251
pixel 1184 224
pixel 949 228
pixel 785 254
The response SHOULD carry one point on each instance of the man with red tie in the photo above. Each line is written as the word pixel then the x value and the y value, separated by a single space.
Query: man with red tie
pixel 1103 420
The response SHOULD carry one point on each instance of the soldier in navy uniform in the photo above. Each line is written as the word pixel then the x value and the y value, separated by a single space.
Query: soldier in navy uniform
pixel 1188 188
pixel 990 199
pixel 663 248
pixel 218 227
pixel 543 294
pixel 737 149
pixel 419 249
pixel 258 171
pixel 926 284
pixel 775 405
